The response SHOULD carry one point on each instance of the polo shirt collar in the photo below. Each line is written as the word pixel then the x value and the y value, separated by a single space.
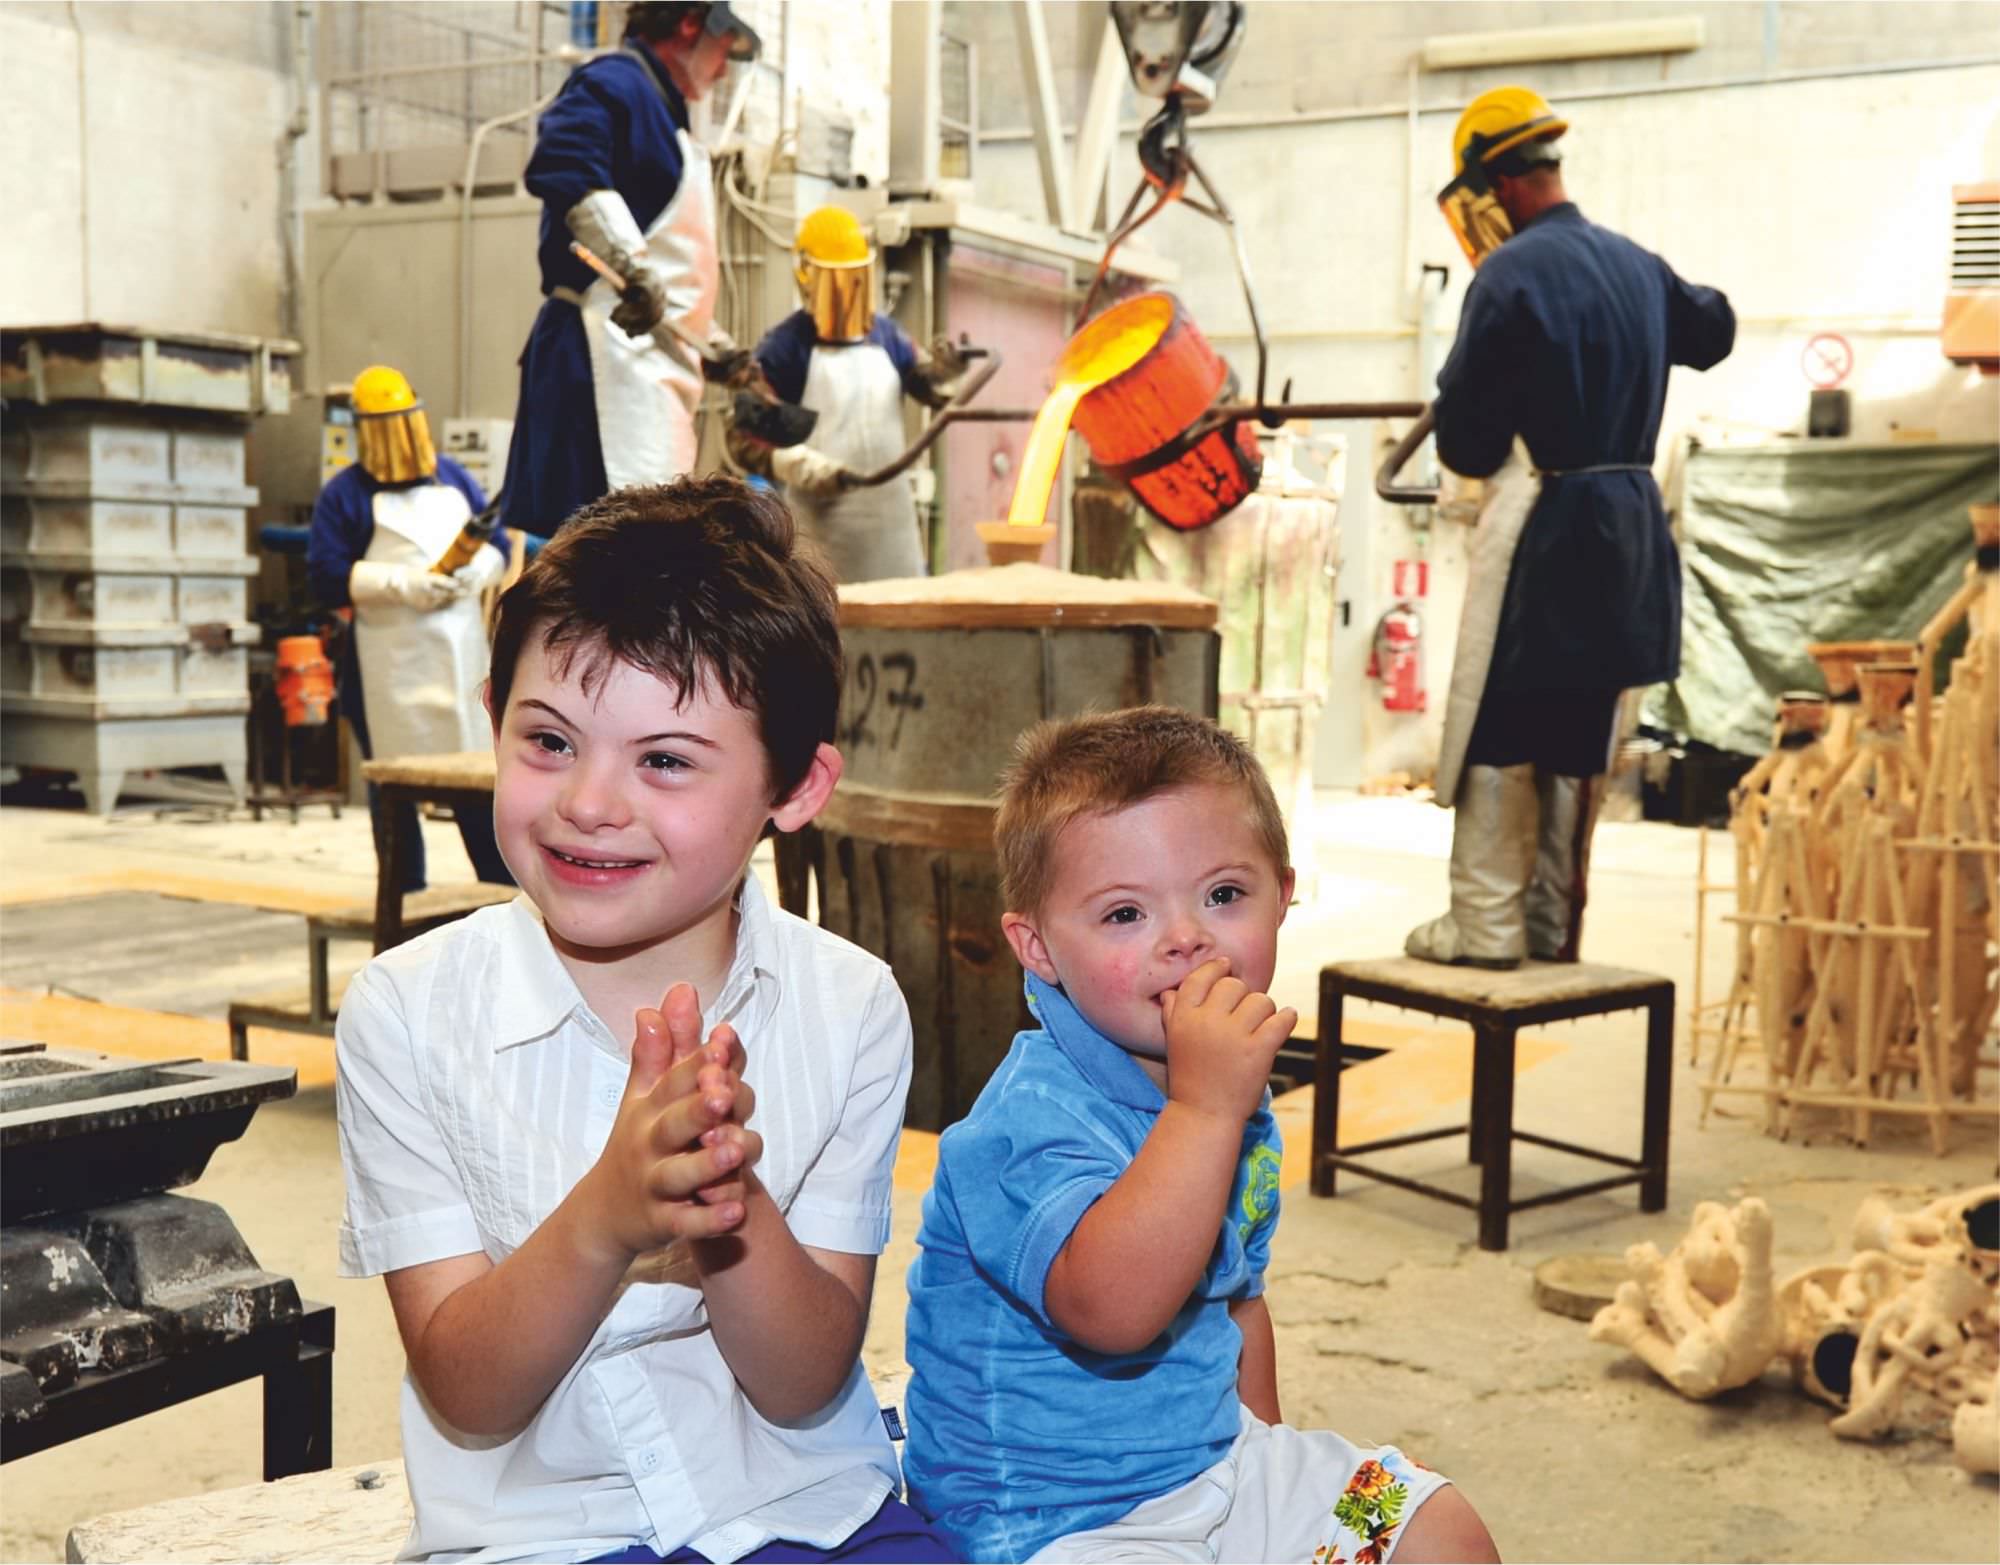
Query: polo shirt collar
pixel 535 994
pixel 1107 1067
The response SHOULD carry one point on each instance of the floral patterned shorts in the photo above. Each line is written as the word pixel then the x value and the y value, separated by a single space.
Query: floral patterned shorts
pixel 1281 1494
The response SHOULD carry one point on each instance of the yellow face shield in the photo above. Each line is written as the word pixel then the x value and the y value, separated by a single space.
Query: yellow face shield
pixel 841 299
pixel 1477 219
pixel 396 448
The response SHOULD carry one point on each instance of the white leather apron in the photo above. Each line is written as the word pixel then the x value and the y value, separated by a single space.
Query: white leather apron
pixel 1510 497
pixel 421 673
pixel 866 534
pixel 647 392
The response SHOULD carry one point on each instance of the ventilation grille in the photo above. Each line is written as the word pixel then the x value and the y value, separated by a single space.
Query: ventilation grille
pixel 1975 245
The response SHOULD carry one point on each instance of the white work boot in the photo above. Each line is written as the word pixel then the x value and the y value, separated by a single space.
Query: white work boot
pixel 1492 856
pixel 1562 862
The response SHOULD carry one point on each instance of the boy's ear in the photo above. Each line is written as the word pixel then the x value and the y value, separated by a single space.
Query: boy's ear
pixel 1030 950
pixel 1287 884
pixel 486 700
pixel 814 789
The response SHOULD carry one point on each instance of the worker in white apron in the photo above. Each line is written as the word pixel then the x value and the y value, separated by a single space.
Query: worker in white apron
pixel 419 658
pixel 850 368
pixel 612 373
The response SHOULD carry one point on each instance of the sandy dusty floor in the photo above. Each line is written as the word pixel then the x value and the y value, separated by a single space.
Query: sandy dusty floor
pixel 1392 1325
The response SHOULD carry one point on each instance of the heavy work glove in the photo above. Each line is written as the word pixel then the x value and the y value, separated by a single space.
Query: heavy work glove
pixel 411 586
pixel 725 364
pixel 810 472
pixel 942 370
pixel 483 569
pixel 604 224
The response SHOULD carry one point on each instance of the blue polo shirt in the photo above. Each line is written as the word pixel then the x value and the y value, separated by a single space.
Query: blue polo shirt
pixel 1018 1434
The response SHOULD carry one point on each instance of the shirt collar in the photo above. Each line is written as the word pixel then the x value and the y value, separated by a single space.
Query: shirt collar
pixel 677 108
pixel 1561 212
pixel 535 994
pixel 1109 1068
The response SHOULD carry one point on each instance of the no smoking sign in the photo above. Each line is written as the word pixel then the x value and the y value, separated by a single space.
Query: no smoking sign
pixel 1828 360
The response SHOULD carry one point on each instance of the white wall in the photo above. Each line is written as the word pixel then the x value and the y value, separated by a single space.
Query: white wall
pixel 170 168
pixel 839 59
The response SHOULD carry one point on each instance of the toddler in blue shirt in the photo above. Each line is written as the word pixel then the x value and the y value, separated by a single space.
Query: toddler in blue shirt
pixel 1094 1373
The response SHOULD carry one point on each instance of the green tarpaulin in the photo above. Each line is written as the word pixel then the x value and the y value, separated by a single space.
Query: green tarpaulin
pixel 1783 545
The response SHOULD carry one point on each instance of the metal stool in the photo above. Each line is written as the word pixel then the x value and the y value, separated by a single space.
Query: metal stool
pixel 1497 1006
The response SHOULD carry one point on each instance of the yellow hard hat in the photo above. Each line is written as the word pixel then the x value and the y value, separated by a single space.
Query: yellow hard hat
pixel 831 236
pixel 1498 122
pixel 390 428
pixel 836 274
pixel 380 389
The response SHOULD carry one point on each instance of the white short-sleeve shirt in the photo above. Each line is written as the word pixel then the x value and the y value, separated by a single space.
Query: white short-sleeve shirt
pixel 475 1088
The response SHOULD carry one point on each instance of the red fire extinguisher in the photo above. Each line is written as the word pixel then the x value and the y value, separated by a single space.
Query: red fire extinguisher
pixel 1397 658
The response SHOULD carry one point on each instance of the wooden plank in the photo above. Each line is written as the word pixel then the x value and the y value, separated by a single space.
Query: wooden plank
pixel 348 1514
pixel 1022 597
pixel 62 1021
pixel 925 820
pixel 421 909
pixel 469 769
pixel 1531 984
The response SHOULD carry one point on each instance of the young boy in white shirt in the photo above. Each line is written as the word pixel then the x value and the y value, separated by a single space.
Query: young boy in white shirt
pixel 631 1264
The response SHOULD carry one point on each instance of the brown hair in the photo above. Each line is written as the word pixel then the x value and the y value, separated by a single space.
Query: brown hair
pixel 1076 766
pixel 699 576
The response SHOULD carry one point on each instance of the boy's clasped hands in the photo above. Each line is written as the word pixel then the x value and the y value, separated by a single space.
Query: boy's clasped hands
pixel 677 1162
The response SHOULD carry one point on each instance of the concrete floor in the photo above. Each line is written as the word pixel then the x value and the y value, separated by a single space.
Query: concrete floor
pixel 1392 1325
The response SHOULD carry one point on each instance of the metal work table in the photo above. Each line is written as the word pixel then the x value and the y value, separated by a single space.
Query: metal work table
pixel 121 1299
pixel 1497 1005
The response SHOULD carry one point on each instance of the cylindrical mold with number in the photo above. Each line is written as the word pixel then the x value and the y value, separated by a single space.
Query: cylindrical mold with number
pixel 943 675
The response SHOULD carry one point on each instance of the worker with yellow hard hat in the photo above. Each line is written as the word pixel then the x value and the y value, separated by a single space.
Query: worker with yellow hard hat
pixel 849 369
pixel 1564 344
pixel 613 371
pixel 382 526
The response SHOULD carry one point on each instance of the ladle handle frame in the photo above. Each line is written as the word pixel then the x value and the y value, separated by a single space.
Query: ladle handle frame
pixel 1398 458
pixel 1224 417
pixel 950 413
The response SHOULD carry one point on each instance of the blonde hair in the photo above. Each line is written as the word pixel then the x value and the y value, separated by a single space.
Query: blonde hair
pixel 1071 767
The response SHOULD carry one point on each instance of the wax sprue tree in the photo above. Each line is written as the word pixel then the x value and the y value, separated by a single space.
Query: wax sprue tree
pixel 1868 886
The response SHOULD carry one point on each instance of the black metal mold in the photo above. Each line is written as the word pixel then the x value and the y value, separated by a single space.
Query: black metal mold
pixel 128 1283
pixel 81 1129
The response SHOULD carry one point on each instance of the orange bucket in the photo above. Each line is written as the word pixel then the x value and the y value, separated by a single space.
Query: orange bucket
pixel 1133 422
pixel 305 681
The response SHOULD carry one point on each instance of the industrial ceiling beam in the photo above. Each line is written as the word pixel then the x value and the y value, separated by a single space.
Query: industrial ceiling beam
pixel 1097 135
pixel 1032 33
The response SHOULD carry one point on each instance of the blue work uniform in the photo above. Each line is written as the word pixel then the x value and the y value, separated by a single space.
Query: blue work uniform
pixel 343 527
pixel 613 126
pixel 785 355
pixel 1566 338
pixel 1019 1434
pixel 857 389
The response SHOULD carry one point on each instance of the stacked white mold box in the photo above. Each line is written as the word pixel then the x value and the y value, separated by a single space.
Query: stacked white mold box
pixel 124 576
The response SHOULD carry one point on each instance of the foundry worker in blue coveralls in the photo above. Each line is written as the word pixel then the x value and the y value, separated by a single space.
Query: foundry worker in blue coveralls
pixel 1566 338
pixel 609 383
pixel 851 367
pixel 412 674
